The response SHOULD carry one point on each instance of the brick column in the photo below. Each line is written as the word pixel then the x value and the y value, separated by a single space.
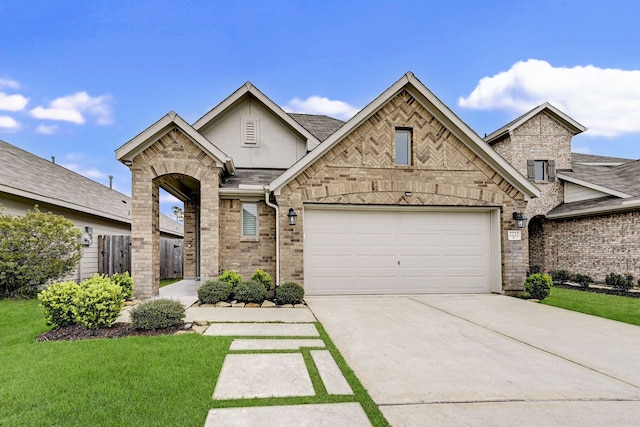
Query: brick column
pixel 190 240
pixel 209 226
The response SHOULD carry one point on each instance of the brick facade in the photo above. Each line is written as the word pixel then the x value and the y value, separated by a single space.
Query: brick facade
pixel 245 255
pixel 361 170
pixel 595 245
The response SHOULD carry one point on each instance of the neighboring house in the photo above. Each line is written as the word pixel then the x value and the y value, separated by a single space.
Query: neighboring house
pixel 402 198
pixel 27 180
pixel 587 218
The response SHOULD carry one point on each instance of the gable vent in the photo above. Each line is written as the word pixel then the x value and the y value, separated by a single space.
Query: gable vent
pixel 250 132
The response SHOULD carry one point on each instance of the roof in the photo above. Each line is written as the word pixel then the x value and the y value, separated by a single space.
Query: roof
pixel 616 177
pixel 573 126
pixel 43 181
pixel 453 123
pixel 251 177
pixel 320 126
pixel 249 90
pixel 171 120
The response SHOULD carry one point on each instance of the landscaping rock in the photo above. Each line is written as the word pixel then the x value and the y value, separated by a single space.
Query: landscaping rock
pixel 209 305
pixel 222 304
pixel 200 329
pixel 300 306
pixel 201 323
pixel 252 305
pixel 268 304
pixel 286 306
pixel 238 305
pixel 187 326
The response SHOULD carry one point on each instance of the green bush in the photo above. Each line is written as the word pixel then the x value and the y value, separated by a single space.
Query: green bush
pixel 559 276
pixel 249 292
pixel 230 277
pixel 289 293
pixel 125 282
pixel 98 303
pixel 263 278
pixel 582 279
pixel 35 248
pixel 157 314
pixel 538 285
pixel 619 282
pixel 56 301
pixel 212 292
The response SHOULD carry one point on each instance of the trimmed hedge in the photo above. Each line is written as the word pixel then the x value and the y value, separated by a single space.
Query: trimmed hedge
pixel 250 292
pixel 538 285
pixel 289 293
pixel 560 276
pixel 57 303
pixel 619 282
pixel 125 282
pixel 212 292
pixel 230 277
pixel 98 304
pixel 263 278
pixel 157 314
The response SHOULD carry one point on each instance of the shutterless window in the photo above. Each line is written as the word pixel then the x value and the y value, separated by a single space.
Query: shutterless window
pixel 403 146
pixel 249 219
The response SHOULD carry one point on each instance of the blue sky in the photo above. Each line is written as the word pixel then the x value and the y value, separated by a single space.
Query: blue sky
pixel 80 78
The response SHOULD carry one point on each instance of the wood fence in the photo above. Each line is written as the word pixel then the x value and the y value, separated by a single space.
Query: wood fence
pixel 114 256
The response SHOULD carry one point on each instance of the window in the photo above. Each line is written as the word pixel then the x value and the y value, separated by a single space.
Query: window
pixel 403 146
pixel 249 220
pixel 541 170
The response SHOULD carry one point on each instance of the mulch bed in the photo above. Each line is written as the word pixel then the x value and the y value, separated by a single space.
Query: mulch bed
pixel 117 330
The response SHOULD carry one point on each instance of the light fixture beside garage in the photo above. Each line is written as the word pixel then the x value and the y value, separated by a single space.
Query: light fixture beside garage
pixel 520 219
pixel 292 215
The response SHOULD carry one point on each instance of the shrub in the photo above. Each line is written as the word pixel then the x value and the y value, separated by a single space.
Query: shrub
pixel 157 314
pixel 230 277
pixel 212 292
pixel 559 276
pixel 263 278
pixel 249 292
pixel 125 282
pixel 538 285
pixel 619 282
pixel 56 301
pixel 35 248
pixel 98 303
pixel 582 279
pixel 289 293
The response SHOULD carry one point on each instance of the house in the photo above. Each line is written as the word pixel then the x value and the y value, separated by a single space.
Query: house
pixel 402 198
pixel 27 180
pixel 587 219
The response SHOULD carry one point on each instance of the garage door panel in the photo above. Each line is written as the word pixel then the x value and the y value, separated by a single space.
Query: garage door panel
pixel 382 252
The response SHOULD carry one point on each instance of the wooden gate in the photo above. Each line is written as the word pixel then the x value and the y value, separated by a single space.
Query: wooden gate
pixel 114 256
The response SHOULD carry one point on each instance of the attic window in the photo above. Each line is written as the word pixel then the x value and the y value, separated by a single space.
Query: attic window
pixel 250 132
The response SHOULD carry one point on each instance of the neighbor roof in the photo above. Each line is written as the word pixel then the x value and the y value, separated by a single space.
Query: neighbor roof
pixel 573 126
pixel 26 175
pixel 460 129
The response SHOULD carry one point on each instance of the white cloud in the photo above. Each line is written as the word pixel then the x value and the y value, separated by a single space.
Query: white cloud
pixel 9 83
pixel 7 122
pixel 322 105
pixel 606 100
pixel 91 173
pixel 47 129
pixel 169 198
pixel 73 108
pixel 12 102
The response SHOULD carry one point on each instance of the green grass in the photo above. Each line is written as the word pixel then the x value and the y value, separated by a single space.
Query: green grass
pixel 623 309
pixel 165 282
pixel 135 381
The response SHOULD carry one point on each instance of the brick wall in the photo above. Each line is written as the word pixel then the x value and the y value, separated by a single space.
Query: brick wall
pixel 245 255
pixel 595 245
pixel 361 170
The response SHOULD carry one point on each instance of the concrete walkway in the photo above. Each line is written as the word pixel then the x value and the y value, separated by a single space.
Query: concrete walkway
pixel 486 360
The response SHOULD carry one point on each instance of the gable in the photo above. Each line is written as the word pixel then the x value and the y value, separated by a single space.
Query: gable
pixel 361 168
pixel 255 137
pixel 544 125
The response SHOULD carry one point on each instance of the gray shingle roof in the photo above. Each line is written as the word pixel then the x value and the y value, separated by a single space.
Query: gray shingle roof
pixel 320 126
pixel 591 158
pixel 244 176
pixel 27 175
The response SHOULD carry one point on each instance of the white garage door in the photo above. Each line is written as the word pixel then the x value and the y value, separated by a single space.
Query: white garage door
pixel 388 252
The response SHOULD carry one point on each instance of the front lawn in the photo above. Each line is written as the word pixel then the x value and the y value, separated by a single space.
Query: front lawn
pixel 623 309
pixel 134 381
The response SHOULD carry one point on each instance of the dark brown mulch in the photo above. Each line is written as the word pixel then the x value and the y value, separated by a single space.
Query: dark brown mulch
pixel 117 330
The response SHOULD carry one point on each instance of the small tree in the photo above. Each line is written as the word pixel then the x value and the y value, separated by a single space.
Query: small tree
pixel 34 249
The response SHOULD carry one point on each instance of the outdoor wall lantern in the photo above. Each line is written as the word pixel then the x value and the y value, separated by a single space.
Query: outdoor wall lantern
pixel 520 219
pixel 292 215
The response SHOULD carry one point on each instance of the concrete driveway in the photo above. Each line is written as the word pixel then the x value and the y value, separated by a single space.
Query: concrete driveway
pixel 486 360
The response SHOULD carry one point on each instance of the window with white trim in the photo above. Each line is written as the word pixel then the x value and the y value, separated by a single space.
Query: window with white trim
pixel 249 220
pixel 403 146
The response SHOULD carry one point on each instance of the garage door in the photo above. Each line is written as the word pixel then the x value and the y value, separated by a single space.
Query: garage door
pixel 388 252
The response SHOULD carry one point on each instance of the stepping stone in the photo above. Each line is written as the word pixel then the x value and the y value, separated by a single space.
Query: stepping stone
pixel 263 329
pixel 331 375
pixel 317 415
pixel 246 376
pixel 266 344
